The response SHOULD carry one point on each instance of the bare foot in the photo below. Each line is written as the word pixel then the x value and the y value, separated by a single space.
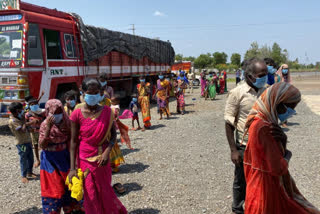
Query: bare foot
pixel 142 129
pixel 134 129
pixel 160 118
pixel 37 164
pixel 32 175
pixel 24 180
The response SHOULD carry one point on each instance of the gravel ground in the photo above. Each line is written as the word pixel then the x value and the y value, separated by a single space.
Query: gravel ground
pixel 181 166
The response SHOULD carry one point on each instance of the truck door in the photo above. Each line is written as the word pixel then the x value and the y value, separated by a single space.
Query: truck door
pixel 53 61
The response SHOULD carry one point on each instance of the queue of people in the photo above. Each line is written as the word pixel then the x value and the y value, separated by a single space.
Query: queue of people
pixel 213 83
pixel 254 113
pixel 79 141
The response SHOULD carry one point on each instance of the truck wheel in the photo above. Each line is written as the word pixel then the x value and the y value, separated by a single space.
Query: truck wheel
pixel 196 82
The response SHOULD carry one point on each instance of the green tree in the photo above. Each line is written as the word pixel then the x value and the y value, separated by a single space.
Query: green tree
pixel 202 61
pixel 219 58
pixel 189 58
pixel 276 54
pixel 236 59
pixel 253 51
pixel 179 57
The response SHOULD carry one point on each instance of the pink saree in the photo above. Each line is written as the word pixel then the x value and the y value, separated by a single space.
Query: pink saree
pixel 99 196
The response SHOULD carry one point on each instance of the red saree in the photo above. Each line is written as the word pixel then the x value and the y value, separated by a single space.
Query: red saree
pixel 270 188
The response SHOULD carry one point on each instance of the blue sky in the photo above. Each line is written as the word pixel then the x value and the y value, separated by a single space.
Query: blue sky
pixel 203 26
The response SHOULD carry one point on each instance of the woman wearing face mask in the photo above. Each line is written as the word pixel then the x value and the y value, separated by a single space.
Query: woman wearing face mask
pixel 162 94
pixel 284 73
pixel 93 131
pixel 71 101
pixel 108 90
pixel 55 159
pixel 144 101
pixel 270 188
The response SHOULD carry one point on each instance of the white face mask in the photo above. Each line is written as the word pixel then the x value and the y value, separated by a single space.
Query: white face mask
pixel 57 118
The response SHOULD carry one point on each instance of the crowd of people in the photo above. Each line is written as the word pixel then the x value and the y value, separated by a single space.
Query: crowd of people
pixel 80 149
pixel 213 83
pixel 255 112
pixel 78 140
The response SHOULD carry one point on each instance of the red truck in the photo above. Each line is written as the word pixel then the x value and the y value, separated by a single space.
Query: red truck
pixel 47 50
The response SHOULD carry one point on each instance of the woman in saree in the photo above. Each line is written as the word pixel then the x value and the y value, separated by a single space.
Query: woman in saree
pixel 144 101
pixel 93 130
pixel 203 82
pixel 225 81
pixel 181 86
pixel 162 94
pixel 221 83
pixel 270 188
pixel 284 76
pixel 54 139
pixel 212 87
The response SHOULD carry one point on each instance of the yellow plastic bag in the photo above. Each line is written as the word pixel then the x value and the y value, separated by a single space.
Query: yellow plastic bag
pixel 76 187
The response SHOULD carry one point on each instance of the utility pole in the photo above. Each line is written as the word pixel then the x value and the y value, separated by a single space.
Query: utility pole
pixel 133 29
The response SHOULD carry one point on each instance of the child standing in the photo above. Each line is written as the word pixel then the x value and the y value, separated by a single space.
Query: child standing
pixel 23 141
pixel 34 117
pixel 135 110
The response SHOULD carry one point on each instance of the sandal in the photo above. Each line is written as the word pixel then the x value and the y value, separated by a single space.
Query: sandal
pixel 119 188
pixel 32 175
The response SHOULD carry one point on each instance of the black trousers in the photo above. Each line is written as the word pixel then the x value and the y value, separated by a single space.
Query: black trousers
pixel 239 184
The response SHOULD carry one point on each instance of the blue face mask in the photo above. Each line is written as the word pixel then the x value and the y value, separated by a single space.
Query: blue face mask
pixel 134 100
pixel 103 83
pixel 92 100
pixel 142 80
pixel 57 118
pixel 260 82
pixel 72 103
pixel 271 70
pixel 285 71
pixel 34 108
pixel 289 113
pixel 21 114
pixel 161 77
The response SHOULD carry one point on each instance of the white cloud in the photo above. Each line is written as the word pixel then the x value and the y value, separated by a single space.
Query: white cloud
pixel 158 13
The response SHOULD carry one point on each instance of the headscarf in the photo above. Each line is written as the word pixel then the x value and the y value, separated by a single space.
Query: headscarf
pixel 266 106
pixel 279 72
pixel 59 133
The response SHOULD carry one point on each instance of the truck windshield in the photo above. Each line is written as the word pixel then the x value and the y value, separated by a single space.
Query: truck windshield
pixel 10 42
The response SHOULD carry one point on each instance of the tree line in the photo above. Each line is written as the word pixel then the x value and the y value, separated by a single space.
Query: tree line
pixel 219 60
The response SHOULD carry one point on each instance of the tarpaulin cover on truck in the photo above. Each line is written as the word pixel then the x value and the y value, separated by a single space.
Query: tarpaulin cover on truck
pixel 97 42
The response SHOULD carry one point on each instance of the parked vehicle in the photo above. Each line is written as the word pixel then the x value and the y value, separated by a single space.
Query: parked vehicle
pixel 47 50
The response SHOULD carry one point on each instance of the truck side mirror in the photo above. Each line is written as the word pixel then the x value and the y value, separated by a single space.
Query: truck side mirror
pixel 33 42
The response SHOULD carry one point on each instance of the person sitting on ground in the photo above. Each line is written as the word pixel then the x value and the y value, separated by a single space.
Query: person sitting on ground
pixel 135 111
pixel 18 128
pixel 71 101
pixel 34 117
pixel 270 187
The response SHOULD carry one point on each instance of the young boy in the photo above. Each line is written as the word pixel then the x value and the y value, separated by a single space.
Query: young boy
pixel 23 141
pixel 135 110
pixel 34 117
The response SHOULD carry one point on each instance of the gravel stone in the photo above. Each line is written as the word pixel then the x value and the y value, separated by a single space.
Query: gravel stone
pixel 181 166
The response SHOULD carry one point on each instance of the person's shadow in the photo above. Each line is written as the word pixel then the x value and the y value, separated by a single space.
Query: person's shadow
pixel 132 168
pixel 145 211
pixel 32 210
